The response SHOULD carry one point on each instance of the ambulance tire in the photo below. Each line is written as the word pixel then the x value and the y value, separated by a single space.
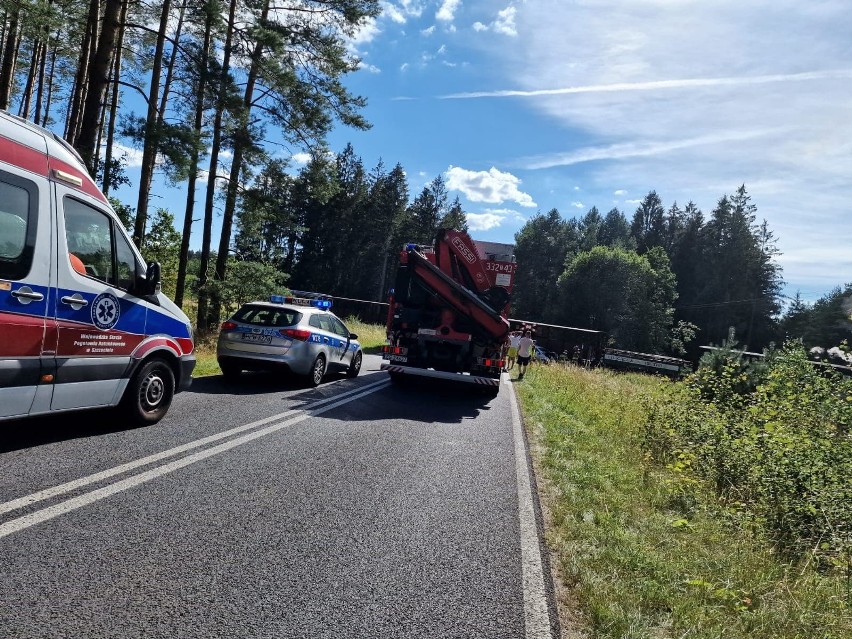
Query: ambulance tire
pixel 317 371
pixel 150 393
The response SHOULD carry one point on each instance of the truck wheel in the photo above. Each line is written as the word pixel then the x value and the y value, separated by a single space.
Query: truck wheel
pixel 150 393
pixel 317 371
pixel 355 366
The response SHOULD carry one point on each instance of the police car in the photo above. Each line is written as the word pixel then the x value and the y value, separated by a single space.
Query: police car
pixel 295 334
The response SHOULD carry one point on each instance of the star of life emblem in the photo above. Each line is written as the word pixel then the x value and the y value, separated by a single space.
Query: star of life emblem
pixel 105 311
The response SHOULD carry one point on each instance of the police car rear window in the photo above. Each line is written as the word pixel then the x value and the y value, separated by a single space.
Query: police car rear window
pixel 267 316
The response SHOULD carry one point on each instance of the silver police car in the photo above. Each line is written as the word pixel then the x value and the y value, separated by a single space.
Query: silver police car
pixel 297 334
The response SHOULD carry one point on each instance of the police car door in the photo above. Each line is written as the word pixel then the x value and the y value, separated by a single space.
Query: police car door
pixel 99 321
pixel 24 287
pixel 344 354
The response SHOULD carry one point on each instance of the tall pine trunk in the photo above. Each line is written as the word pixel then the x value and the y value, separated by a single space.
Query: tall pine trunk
pixel 98 73
pixel 78 93
pixel 241 141
pixel 193 166
pixel 42 71
pixel 45 120
pixel 113 106
pixel 10 55
pixel 222 89
pixel 149 150
pixel 29 87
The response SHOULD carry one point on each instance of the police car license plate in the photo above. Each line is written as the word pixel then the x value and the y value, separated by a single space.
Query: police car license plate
pixel 257 339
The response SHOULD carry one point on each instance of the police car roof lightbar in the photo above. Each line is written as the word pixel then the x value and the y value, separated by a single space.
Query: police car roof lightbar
pixel 300 301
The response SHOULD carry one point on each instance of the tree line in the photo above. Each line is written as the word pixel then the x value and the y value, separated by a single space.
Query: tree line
pixel 669 279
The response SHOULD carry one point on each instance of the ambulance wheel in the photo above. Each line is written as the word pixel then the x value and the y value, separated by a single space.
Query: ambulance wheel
pixel 317 371
pixel 355 366
pixel 150 393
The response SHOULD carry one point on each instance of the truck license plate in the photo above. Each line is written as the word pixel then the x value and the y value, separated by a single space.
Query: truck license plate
pixel 397 358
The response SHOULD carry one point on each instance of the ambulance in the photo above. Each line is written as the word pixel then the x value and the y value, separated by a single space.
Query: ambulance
pixel 83 323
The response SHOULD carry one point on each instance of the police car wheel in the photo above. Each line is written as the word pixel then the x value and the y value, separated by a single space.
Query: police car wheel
pixel 355 366
pixel 317 371
pixel 150 393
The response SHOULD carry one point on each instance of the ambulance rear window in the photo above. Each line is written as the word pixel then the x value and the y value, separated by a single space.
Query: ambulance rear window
pixel 17 226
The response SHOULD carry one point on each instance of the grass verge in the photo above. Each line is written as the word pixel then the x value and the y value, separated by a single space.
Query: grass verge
pixel 630 561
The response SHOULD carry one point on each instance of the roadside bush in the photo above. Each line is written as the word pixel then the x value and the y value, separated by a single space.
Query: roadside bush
pixel 775 443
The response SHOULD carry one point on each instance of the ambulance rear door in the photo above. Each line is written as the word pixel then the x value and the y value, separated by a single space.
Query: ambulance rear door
pixel 25 263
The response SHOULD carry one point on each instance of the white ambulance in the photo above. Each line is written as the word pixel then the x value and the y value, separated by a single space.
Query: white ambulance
pixel 83 323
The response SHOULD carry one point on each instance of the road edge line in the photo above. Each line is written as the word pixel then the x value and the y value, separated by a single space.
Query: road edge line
pixel 536 607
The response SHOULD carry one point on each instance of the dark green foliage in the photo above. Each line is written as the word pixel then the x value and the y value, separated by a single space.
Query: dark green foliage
pixel 826 323
pixel 248 281
pixel 723 270
pixel 627 295
pixel 162 244
pixel 774 440
pixel 541 247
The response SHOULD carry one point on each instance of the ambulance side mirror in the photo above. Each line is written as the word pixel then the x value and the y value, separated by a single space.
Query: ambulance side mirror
pixel 152 279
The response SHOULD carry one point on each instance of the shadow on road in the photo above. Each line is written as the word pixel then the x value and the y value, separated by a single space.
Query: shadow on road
pixel 49 429
pixel 422 400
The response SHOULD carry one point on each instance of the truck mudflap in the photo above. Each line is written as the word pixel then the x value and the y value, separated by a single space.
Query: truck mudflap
pixel 463 378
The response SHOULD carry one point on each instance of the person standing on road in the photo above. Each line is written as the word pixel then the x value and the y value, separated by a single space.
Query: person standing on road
pixel 514 341
pixel 525 350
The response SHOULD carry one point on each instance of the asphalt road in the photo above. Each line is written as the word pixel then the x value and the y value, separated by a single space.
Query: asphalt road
pixel 262 509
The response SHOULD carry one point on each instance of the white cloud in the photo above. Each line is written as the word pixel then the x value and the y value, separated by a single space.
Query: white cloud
pixel 661 85
pixel 578 205
pixel 301 158
pixel 483 221
pixel 429 31
pixel 132 157
pixel 505 22
pixel 632 201
pixel 370 68
pixel 442 49
pixel 447 11
pixel 490 186
pixel 619 192
pixel 403 66
pixel 393 12
pixel 493 218
pixel 366 33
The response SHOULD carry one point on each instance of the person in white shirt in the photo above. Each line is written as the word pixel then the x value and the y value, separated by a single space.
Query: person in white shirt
pixel 525 350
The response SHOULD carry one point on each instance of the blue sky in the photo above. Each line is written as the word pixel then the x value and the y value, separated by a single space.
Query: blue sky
pixel 528 105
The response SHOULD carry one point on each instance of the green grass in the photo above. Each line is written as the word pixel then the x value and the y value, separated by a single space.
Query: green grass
pixel 371 336
pixel 632 560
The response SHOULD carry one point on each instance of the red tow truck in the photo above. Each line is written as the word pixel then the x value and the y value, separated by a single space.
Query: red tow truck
pixel 448 310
